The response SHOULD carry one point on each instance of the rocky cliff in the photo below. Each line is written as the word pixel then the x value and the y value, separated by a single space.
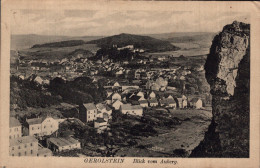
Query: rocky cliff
pixel 228 73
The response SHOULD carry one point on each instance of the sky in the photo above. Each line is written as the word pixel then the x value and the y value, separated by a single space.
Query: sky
pixel 111 22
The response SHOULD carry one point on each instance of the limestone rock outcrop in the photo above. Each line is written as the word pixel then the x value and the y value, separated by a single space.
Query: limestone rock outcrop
pixel 228 73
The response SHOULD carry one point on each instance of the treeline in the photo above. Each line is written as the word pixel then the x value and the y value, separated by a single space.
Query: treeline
pixel 25 93
pixel 116 55
pixel 81 90
pixel 68 43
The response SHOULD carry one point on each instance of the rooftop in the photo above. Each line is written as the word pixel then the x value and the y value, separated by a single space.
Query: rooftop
pixel 100 120
pixel 63 141
pixel 42 150
pixel 131 107
pixel 13 122
pixel 33 121
pixel 22 140
pixel 90 106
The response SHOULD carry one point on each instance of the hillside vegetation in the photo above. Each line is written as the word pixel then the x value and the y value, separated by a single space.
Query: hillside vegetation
pixel 145 42
pixel 68 43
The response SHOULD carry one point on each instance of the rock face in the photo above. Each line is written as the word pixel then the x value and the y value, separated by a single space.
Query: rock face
pixel 228 73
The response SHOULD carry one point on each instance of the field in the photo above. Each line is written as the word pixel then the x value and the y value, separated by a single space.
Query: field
pixel 182 137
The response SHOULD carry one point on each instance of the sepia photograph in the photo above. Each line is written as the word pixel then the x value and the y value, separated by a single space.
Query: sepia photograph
pixel 105 84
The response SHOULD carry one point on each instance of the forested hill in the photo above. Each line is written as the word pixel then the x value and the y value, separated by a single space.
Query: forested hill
pixel 144 42
pixel 68 43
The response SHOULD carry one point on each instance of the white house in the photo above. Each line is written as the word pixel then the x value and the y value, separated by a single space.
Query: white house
pixel 197 103
pixel 117 104
pixel 42 126
pixel 131 109
pixel 152 95
pixel 143 103
pixel 153 102
pixel 115 96
pixel 100 124
pixel 15 128
pixel 141 94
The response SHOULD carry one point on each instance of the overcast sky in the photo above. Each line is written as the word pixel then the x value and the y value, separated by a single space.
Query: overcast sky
pixel 91 23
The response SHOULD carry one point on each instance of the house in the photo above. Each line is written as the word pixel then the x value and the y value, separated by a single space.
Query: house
pixel 180 105
pixel 119 73
pixel 103 108
pixel 131 109
pixel 143 103
pixel 171 103
pixel 152 95
pixel 184 103
pixel 117 104
pixel 115 96
pixel 170 97
pixel 141 94
pixel 87 112
pixel 196 103
pixel 42 126
pixel 153 102
pixel 116 84
pixel 15 128
pixel 23 146
pixel 45 152
pixel 155 87
pixel 109 92
pixel 61 144
pixel 100 124
pixel 131 87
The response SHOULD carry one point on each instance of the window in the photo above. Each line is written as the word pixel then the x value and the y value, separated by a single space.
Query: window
pixel 25 153
pixel 31 151
pixel 44 126
pixel 32 128
pixel 25 146
pixel 19 147
pixel 44 155
pixel 38 127
pixel 12 148
pixel 10 136
pixel 31 144
pixel 19 154
pixel 51 126
pixel 17 135
pixel 12 154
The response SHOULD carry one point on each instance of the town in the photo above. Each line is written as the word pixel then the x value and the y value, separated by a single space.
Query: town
pixel 142 88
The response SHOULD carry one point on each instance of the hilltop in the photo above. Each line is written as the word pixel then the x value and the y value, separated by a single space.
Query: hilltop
pixel 144 42
pixel 68 43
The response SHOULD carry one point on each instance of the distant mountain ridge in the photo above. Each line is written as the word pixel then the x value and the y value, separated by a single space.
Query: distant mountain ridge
pixel 25 41
pixel 68 43
pixel 139 41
